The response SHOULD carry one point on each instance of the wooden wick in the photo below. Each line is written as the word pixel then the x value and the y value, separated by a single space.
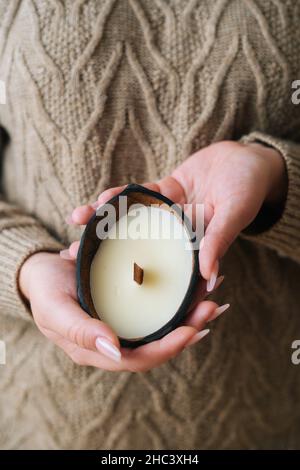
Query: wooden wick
pixel 138 274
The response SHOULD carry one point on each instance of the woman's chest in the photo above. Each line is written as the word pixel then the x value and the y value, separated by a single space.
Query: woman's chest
pixel 102 93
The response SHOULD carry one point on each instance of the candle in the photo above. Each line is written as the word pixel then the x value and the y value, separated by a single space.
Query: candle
pixel 141 277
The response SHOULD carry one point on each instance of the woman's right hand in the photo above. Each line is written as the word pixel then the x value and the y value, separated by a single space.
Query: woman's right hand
pixel 49 284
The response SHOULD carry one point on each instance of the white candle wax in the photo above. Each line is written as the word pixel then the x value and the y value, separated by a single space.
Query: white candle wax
pixel 136 310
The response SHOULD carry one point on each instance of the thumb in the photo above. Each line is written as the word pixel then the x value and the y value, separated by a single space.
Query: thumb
pixel 225 225
pixel 172 189
pixel 70 321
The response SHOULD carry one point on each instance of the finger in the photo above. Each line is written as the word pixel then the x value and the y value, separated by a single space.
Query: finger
pixel 202 292
pixel 64 316
pixel 86 357
pixel 73 249
pixel 139 359
pixel 153 354
pixel 172 189
pixel 110 193
pixel 81 356
pixel 201 314
pixel 71 252
pixel 208 213
pixel 219 281
pixel 167 186
pixel 222 230
pixel 65 254
pixel 82 214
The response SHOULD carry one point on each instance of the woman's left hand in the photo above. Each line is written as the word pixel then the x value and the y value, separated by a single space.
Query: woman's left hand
pixel 232 180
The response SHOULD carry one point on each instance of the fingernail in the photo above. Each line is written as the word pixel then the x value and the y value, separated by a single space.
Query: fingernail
pixel 197 337
pixel 105 347
pixel 212 280
pixel 219 311
pixel 65 254
pixel 69 220
pixel 219 281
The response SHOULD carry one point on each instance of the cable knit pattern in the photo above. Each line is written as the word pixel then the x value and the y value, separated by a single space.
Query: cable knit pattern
pixel 115 91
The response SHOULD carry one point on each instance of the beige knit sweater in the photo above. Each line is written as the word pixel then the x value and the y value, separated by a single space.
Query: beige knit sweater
pixel 107 92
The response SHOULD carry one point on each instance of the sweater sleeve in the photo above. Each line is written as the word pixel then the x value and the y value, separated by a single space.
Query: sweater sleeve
pixel 284 235
pixel 20 236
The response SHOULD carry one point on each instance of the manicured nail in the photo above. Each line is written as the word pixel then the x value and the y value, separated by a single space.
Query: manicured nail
pixel 219 281
pixel 105 347
pixel 212 280
pixel 65 254
pixel 197 337
pixel 69 220
pixel 219 311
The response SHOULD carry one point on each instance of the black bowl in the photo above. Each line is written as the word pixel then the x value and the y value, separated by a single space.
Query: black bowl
pixel 89 245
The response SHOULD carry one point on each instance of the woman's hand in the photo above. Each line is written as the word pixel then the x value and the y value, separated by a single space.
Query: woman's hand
pixel 232 180
pixel 48 282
